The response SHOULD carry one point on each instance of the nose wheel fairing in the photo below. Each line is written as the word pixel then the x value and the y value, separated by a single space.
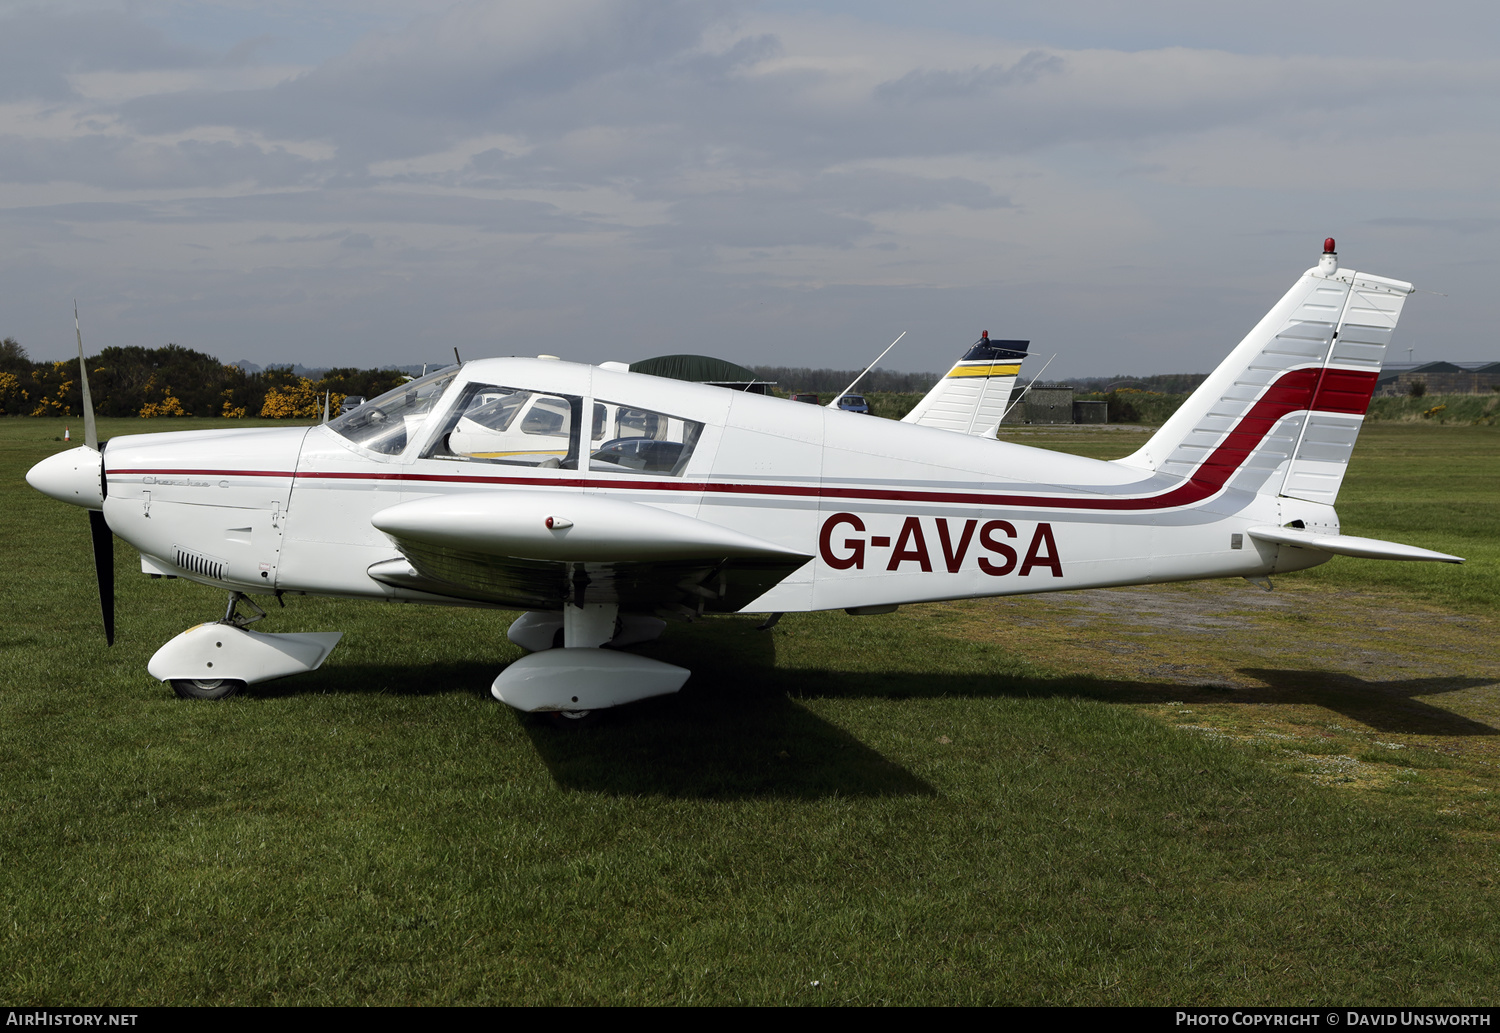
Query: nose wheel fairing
pixel 225 651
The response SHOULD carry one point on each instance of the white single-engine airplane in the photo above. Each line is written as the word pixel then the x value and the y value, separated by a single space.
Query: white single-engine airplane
pixel 476 485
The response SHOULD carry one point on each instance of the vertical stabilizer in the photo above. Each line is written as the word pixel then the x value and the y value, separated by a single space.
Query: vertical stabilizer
pixel 1280 415
pixel 972 397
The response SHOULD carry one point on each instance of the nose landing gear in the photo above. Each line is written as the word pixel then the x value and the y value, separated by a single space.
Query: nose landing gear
pixel 217 660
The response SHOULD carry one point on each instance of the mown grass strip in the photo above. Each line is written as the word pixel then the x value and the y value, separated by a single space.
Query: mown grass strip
pixel 893 814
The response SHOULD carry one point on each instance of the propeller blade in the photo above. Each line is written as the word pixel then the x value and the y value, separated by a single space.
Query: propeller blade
pixel 90 432
pixel 104 569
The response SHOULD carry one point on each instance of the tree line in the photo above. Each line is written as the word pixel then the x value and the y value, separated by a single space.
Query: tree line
pixel 174 381
pixel 177 381
pixel 826 381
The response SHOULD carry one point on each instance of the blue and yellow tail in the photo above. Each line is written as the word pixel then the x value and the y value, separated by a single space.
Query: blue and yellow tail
pixel 972 398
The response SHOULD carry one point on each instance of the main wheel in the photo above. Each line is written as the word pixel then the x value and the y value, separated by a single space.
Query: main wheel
pixel 206 688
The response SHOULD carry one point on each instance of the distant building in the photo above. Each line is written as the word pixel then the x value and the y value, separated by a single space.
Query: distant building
pixel 1090 412
pixel 1439 378
pixel 1043 405
pixel 703 369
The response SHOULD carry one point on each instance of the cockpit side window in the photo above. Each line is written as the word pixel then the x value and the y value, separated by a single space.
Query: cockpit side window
pixel 490 423
pixel 641 441
pixel 387 423
pixel 495 413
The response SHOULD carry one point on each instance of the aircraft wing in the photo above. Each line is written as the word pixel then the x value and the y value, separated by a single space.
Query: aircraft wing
pixel 538 550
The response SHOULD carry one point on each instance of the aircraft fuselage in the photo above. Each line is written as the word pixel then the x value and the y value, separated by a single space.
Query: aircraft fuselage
pixel 888 512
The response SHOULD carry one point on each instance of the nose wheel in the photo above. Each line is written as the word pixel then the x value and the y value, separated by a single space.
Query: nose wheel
pixel 206 688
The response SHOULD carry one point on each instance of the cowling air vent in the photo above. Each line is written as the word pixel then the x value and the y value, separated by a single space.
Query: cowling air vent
pixel 197 563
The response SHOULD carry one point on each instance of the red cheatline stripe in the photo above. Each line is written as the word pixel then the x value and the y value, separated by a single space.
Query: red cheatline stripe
pixel 1324 390
pixel 1345 391
pixel 174 472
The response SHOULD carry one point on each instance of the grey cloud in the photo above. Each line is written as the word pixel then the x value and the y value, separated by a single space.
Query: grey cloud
pixel 823 211
pixel 38 51
pixel 1472 224
pixel 927 85
pixel 671 122
pixel 243 52
pixel 368 206
pixel 740 150
pixel 115 161
pixel 565 76
pixel 491 162
pixel 77 212
pixel 304 238
pixel 754 220
pixel 868 191
pixel 742 53
pixel 1456 28
pixel 318 206
pixel 444 77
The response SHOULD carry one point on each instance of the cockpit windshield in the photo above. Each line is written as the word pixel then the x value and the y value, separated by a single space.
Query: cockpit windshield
pixel 385 424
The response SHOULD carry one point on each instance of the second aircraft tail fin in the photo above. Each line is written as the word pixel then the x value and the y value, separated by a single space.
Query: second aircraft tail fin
pixel 972 397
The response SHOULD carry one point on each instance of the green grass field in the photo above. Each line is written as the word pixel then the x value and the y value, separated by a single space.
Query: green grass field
pixel 1039 800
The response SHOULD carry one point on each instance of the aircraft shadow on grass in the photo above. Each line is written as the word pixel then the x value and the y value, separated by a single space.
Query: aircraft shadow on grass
pixel 1385 706
pixel 740 729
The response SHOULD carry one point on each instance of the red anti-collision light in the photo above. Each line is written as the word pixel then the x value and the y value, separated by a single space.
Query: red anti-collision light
pixel 1328 246
pixel 984 335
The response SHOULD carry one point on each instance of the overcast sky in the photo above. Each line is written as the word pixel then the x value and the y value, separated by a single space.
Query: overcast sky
pixel 1129 185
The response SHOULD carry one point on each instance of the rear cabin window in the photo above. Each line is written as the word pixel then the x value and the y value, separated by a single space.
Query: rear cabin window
pixel 626 439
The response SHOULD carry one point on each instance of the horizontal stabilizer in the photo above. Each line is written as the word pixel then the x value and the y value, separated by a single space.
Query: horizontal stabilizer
pixel 1348 545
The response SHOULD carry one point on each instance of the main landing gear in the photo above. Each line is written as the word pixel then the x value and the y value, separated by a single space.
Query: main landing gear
pixel 568 672
pixel 215 661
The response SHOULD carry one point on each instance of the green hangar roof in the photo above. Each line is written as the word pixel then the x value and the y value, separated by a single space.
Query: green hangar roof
pixel 700 369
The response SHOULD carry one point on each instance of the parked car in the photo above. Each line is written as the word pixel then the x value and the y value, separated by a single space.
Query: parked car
pixel 854 403
pixel 805 397
pixel 352 402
